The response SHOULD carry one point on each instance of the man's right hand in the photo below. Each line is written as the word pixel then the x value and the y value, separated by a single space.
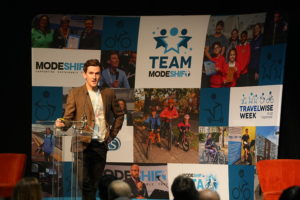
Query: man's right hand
pixel 115 84
pixel 59 123
pixel 139 185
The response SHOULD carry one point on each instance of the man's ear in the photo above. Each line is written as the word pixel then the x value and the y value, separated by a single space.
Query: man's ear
pixel 84 75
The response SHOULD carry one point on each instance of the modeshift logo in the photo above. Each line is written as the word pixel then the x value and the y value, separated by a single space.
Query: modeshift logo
pixel 172 40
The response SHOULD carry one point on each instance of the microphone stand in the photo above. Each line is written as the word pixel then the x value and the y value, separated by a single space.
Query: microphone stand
pixel 158 178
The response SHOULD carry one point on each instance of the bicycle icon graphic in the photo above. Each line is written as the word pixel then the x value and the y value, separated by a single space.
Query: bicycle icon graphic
pixel 215 112
pixel 242 191
pixel 43 109
pixel 120 39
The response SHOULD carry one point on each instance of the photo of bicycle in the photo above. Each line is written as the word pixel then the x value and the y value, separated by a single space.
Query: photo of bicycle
pixel 163 131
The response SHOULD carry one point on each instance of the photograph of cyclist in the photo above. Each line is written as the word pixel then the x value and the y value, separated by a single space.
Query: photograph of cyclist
pixel 248 156
pixel 213 145
pixel 169 112
pixel 160 121
pixel 210 145
pixel 246 146
pixel 152 123
pixel 183 127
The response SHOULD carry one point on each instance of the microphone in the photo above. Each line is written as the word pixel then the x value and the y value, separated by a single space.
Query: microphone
pixel 117 75
pixel 158 178
pixel 138 179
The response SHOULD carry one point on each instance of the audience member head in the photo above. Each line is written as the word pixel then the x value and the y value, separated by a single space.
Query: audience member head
pixel 291 193
pixel 183 188
pixel 208 195
pixel 104 182
pixel 118 188
pixel 27 188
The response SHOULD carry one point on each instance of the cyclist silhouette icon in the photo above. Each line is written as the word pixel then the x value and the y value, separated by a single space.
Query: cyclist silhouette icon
pixel 43 109
pixel 242 191
pixel 120 39
pixel 215 112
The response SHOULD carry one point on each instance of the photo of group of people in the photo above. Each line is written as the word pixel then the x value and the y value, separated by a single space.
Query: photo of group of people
pixel 67 32
pixel 234 45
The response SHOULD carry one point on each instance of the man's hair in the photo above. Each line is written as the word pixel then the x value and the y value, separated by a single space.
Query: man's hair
pixel 184 188
pixel 291 193
pixel 118 188
pixel 221 23
pixel 91 62
pixel 27 188
pixel 104 182
pixel 203 193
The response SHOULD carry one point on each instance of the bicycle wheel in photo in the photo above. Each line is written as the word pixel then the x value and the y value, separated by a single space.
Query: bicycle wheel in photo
pixel 148 149
pixel 204 157
pixel 236 193
pixel 170 138
pixel 221 158
pixel 246 193
pixel 185 143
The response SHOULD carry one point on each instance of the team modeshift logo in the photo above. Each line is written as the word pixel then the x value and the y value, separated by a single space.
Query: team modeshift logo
pixel 172 40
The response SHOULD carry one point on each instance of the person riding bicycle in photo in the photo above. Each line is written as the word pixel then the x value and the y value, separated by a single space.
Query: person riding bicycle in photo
pixel 246 145
pixel 210 146
pixel 170 112
pixel 183 127
pixel 152 123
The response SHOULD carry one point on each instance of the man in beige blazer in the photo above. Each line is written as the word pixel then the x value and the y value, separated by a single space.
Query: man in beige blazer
pixel 88 109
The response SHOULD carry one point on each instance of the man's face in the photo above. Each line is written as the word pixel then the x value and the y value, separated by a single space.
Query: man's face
pixel 217 49
pixel 219 29
pixel 88 24
pixel 114 60
pixel 135 171
pixel 244 37
pixel 121 104
pixel 92 76
pixel 48 130
pixel 256 30
pixel 234 35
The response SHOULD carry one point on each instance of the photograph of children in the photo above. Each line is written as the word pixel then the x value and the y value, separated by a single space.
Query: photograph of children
pixel 119 69
pixel 66 31
pixel 165 126
pixel 213 144
pixel 232 49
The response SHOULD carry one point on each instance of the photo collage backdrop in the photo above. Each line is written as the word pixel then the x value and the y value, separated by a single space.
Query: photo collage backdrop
pixel 213 85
